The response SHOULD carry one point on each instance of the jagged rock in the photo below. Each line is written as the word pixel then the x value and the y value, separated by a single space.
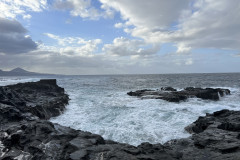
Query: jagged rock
pixel 168 89
pixel 216 137
pixel 172 95
pixel 43 99
pixel 227 120
pixel 26 134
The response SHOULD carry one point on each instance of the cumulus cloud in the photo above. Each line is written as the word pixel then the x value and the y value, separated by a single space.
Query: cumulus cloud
pixel 125 47
pixel 73 46
pixel 152 13
pixel 10 9
pixel 83 8
pixel 13 38
pixel 214 24
pixel 185 24
pixel 189 24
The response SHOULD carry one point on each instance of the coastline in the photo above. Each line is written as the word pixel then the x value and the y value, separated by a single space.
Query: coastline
pixel 26 133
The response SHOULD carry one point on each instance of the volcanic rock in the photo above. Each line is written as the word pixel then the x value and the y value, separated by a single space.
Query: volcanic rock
pixel 26 134
pixel 43 99
pixel 172 95
pixel 216 137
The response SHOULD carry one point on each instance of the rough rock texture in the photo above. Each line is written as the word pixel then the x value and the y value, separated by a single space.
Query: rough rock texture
pixel 45 140
pixel 172 95
pixel 216 137
pixel 26 134
pixel 32 100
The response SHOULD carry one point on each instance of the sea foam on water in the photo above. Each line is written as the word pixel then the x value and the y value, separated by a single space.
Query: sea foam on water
pixel 99 104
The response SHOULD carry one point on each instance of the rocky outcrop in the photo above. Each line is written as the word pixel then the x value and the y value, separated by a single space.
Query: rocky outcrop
pixel 172 95
pixel 32 100
pixel 26 134
pixel 44 140
pixel 215 137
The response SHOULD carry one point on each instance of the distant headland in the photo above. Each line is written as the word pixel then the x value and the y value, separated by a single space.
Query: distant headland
pixel 21 72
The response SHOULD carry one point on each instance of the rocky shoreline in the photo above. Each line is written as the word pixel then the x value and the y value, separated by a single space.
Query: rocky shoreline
pixel 26 133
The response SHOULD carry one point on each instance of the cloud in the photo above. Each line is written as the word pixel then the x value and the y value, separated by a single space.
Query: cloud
pixel 214 24
pixel 83 8
pixel 10 9
pixel 28 16
pixel 181 48
pixel 189 24
pixel 185 25
pixel 13 39
pixel 125 47
pixel 119 25
pixel 189 61
pixel 152 14
pixel 73 46
pixel 53 62
pixel 11 26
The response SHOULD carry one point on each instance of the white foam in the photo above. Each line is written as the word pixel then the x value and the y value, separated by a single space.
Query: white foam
pixel 2 153
pixel 101 106
pixel 14 80
pixel 126 119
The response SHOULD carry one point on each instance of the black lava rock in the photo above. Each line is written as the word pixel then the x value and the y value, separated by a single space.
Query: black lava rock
pixel 172 95
pixel 26 134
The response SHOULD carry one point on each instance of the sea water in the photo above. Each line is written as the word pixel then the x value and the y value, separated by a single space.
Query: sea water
pixel 100 104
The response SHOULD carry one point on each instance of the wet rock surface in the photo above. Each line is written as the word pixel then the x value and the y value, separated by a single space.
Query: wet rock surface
pixel 26 134
pixel 32 100
pixel 172 95
pixel 215 137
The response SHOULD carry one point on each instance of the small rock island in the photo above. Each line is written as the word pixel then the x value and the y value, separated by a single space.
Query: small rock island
pixel 172 95
pixel 26 133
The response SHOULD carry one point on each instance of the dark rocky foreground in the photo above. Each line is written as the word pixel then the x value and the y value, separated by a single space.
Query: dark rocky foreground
pixel 26 134
pixel 172 95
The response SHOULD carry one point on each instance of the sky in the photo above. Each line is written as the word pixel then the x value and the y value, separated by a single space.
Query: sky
pixel 88 37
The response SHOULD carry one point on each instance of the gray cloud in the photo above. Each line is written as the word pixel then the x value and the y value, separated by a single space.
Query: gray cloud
pixel 189 24
pixel 53 62
pixel 13 39
pixel 153 14
pixel 11 26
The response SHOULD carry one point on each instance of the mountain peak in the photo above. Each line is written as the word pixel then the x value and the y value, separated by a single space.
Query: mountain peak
pixel 19 70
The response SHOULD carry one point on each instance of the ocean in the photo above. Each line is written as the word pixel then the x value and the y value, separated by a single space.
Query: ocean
pixel 100 104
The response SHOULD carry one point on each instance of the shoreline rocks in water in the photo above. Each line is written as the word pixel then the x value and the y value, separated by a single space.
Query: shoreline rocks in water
pixel 25 132
pixel 43 100
pixel 172 95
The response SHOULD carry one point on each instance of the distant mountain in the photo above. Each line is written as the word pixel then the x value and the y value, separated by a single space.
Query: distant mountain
pixel 21 72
